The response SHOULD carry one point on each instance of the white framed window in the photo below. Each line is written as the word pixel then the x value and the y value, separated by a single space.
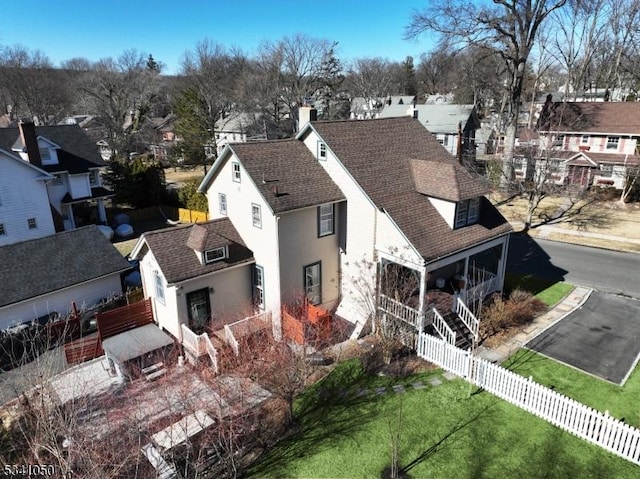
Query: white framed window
pixel 258 286
pixel 235 167
pixel 216 254
pixel 45 154
pixel 326 220
pixel 33 224
pixel 322 150
pixel 467 212
pixel 584 139
pixel 461 213
pixel 313 282
pixel 157 280
pixel 2 230
pixel 93 178
pixel 554 166
pixel 558 140
pixel 256 215
pixel 474 210
pixel 613 142
pixel 222 203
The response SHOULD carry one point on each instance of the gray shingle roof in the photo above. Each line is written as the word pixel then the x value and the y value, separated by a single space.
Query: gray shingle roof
pixel 78 154
pixel 287 174
pixel 40 266
pixel 379 155
pixel 179 262
pixel 435 118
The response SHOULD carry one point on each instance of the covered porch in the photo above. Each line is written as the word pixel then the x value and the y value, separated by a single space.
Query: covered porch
pixel 85 211
pixel 442 294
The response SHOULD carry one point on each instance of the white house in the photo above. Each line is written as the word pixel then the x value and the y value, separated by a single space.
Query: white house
pixel 44 276
pixel 70 165
pixel 25 212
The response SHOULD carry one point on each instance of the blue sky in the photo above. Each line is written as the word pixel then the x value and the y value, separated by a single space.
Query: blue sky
pixel 95 29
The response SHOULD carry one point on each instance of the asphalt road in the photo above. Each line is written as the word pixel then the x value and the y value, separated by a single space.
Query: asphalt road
pixel 600 269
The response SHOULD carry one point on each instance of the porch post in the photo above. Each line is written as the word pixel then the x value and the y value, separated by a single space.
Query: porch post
pixel 102 212
pixel 423 294
pixel 502 263
pixel 70 213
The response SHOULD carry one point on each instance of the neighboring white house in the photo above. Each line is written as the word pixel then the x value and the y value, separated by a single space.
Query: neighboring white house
pixel 25 212
pixel 235 128
pixel 71 165
pixel 196 275
pixel 44 276
pixel 590 143
pixel 450 124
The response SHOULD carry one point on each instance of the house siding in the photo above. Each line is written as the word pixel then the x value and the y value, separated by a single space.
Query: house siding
pixel 164 313
pixel 263 242
pixel 359 255
pixel 84 295
pixel 22 196
pixel 447 210
pixel 300 246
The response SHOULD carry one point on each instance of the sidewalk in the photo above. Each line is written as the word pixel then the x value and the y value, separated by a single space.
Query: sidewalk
pixel 572 301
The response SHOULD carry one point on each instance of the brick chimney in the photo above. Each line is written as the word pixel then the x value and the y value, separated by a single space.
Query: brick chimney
pixel 30 141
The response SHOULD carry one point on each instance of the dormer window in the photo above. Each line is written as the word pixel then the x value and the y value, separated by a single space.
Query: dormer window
pixel 216 254
pixel 93 178
pixel 467 212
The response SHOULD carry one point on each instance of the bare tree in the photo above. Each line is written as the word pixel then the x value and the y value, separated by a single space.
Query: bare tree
pixel 509 26
pixel 372 79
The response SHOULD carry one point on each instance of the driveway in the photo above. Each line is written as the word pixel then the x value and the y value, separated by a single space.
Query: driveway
pixel 602 337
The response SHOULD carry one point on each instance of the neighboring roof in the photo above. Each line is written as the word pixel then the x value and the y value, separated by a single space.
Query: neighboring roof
pixel 592 117
pixel 44 265
pixel 179 262
pixel 401 99
pixel 379 154
pixel 237 122
pixel 286 173
pixel 437 118
pixel 77 153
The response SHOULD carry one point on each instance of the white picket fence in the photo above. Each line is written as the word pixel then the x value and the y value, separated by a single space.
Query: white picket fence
pixel 572 416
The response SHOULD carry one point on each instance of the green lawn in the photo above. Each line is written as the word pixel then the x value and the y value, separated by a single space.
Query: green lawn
pixel 621 402
pixel 549 292
pixel 447 431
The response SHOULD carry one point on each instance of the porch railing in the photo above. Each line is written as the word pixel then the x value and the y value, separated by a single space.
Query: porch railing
pixel 231 340
pixel 443 329
pixel 199 345
pixel 399 310
pixel 468 318
pixel 487 284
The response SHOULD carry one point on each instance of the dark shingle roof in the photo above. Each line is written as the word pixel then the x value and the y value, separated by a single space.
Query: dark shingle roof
pixel 179 262
pixel 78 153
pixel 40 266
pixel 592 117
pixel 449 181
pixel 287 174
pixel 380 153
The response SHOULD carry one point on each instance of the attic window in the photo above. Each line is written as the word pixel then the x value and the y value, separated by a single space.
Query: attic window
pixel 322 150
pixel 236 172
pixel 216 254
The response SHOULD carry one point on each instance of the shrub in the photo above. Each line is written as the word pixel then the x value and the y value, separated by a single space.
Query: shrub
pixel 519 309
